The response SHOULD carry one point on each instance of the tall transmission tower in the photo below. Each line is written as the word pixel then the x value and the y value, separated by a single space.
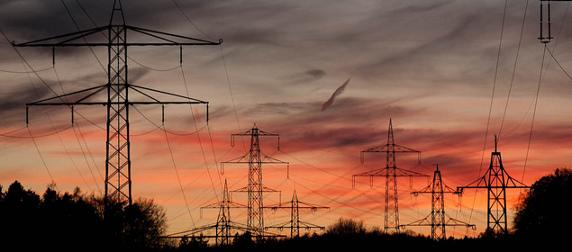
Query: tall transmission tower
pixel 438 219
pixel 119 93
pixel 390 172
pixel 496 180
pixel 295 223
pixel 255 189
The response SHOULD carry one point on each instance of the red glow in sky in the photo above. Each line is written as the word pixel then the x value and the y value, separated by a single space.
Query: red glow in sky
pixel 431 66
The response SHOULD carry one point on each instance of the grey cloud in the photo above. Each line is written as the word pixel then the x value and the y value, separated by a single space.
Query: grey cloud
pixel 13 104
pixel 306 77
pixel 307 126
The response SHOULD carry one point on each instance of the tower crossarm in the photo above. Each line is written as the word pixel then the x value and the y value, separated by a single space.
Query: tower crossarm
pixel 483 182
pixel 426 222
pixel 295 224
pixel 298 204
pixel 255 131
pixel 197 230
pixel 454 222
pixel 393 148
pixel 301 224
pixel 228 204
pixel 429 189
pixel 73 39
pixel 148 96
pixel 264 160
pixel 384 172
pixel 437 185
pixel 385 148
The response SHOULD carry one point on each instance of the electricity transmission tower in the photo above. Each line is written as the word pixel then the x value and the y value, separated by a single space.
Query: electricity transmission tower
pixel 545 25
pixel 438 220
pixel 496 180
pixel 390 172
pixel 255 189
pixel 295 223
pixel 118 94
pixel 223 224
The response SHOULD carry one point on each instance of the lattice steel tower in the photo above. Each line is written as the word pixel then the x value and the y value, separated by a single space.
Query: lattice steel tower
pixel 295 223
pixel 496 180
pixel 390 172
pixel 223 224
pixel 255 189
pixel 438 220
pixel 120 93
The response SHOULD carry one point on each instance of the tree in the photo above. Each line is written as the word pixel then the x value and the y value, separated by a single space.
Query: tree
pixel 19 215
pixel 244 240
pixel 64 221
pixel 346 227
pixel 144 223
pixel 194 244
pixel 135 226
pixel 544 212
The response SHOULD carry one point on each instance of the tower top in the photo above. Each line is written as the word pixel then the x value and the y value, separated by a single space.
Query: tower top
pixel 118 19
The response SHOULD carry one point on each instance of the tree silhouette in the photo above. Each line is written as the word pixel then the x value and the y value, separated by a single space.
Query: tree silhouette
pixel 73 221
pixel 346 227
pixel 544 213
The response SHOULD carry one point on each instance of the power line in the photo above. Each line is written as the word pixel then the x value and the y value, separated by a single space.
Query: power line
pixel 199 137
pixel 514 68
pixel 42 158
pixel 190 21
pixel 25 72
pixel 493 94
pixel 534 111
pixel 77 27
pixel 177 173
pixel 231 93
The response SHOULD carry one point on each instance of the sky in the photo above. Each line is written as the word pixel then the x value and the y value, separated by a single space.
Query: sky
pixel 449 74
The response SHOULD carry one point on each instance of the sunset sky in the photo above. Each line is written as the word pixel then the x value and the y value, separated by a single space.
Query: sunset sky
pixel 430 66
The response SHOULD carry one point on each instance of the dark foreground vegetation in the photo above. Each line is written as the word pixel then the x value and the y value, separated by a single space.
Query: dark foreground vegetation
pixel 73 221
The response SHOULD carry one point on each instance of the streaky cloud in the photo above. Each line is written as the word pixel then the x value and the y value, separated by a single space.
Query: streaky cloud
pixel 338 91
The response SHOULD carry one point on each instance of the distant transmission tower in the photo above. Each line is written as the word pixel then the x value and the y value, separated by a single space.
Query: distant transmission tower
pixel 438 220
pixel 255 158
pixel 295 223
pixel 224 224
pixel 496 180
pixel 118 98
pixel 390 172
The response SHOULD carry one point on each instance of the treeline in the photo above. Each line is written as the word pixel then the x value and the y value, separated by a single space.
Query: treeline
pixel 73 221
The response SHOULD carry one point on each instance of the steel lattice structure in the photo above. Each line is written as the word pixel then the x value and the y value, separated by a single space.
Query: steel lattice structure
pixel 295 223
pixel 119 93
pixel 496 180
pixel 223 225
pixel 255 189
pixel 438 219
pixel 390 172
